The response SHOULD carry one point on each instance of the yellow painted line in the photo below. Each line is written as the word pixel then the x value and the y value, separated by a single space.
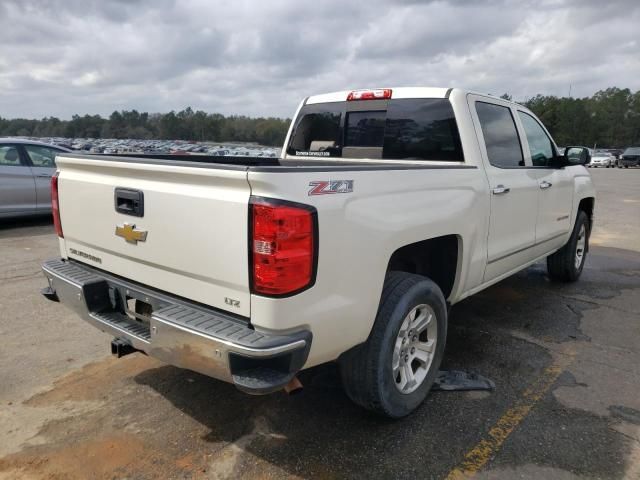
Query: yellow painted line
pixel 476 458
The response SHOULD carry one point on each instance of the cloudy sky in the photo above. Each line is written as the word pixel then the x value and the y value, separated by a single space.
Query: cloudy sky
pixel 260 58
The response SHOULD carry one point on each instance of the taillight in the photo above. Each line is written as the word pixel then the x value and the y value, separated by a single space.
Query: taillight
pixel 379 94
pixel 55 205
pixel 284 245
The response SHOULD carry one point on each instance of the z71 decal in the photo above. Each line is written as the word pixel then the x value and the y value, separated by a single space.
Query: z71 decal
pixel 329 187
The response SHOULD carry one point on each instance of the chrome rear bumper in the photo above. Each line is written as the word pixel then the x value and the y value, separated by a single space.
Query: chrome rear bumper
pixel 178 332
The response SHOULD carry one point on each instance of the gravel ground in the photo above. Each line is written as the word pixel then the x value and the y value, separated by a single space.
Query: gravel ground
pixel 565 360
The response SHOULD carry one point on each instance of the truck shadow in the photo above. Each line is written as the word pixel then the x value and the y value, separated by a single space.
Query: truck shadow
pixel 321 433
pixel 31 225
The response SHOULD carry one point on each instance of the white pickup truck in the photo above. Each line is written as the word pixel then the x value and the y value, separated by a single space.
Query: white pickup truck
pixel 386 207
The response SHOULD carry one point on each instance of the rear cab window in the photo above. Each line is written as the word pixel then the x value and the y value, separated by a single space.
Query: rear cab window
pixel 397 129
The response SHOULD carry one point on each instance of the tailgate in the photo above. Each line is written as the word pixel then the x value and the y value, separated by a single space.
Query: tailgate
pixel 195 219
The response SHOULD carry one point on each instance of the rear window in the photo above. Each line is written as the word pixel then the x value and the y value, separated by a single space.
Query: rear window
pixel 317 131
pixel 365 129
pixel 408 129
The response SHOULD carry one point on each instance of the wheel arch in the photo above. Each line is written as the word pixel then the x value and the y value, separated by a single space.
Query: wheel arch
pixel 587 205
pixel 438 258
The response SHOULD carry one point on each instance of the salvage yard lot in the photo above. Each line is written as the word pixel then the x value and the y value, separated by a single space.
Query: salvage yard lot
pixel 565 360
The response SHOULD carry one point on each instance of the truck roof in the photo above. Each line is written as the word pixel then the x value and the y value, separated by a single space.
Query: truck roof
pixel 398 92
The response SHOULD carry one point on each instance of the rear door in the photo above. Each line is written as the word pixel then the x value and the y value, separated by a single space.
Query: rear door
pixel 43 166
pixel 555 185
pixel 17 186
pixel 513 187
pixel 180 227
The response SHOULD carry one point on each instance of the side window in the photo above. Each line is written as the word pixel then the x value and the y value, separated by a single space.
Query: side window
pixel 9 156
pixel 500 135
pixel 540 144
pixel 41 156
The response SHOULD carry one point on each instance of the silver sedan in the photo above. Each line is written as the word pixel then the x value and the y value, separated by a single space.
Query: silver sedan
pixel 26 168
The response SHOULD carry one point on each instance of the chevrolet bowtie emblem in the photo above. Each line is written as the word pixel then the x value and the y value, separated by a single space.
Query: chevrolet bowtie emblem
pixel 130 234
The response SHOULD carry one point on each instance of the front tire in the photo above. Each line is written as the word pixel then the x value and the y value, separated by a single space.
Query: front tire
pixel 566 264
pixel 393 371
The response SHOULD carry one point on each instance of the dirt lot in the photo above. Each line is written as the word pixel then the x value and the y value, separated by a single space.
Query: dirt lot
pixel 565 360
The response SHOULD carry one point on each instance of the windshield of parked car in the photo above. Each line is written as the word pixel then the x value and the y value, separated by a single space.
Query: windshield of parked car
pixel 632 151
pixel 400 129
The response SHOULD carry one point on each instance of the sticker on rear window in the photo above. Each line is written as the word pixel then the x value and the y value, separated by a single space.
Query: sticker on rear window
pixel 313 154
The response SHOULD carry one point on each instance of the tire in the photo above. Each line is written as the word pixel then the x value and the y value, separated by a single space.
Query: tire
pixel 376 378
pixel 566 264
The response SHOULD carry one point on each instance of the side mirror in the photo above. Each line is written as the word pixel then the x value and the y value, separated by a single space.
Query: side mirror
pixel 576 156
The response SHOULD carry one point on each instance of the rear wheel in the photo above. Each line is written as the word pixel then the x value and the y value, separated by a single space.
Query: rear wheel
pixel 393 371
pixel 567 263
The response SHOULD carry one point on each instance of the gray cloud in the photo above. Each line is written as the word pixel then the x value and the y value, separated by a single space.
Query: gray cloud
pixel 260 58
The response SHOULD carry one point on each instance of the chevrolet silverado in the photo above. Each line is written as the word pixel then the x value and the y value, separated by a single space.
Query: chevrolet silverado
pixel 385 208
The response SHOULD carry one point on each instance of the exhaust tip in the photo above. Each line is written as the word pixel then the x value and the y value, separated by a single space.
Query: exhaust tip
pixel 293 387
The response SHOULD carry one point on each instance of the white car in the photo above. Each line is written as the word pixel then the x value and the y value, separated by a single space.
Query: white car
pixel 385 208
pixel 603 159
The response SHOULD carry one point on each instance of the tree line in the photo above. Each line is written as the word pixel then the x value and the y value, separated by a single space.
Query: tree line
pixel 609 119
pixel 186 124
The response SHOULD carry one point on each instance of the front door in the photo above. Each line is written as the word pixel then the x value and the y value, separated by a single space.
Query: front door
pixel 555 185
pixel 513 188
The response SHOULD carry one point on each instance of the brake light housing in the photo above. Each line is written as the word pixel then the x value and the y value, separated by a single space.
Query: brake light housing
pixel 55 205
pixel 283 246
pixel 377 94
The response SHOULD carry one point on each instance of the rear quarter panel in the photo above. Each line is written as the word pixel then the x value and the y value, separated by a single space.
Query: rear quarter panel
pixel 359 231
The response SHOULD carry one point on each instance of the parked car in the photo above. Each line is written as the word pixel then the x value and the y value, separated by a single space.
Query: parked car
pixel 616 152
pixel 26 168
pixel 602 158
pixel 385 208
pixel 630 158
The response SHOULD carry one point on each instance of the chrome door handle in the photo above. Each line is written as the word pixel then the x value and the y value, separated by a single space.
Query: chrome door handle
pixel 500 190
pixel 43 175
pixel 544 185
